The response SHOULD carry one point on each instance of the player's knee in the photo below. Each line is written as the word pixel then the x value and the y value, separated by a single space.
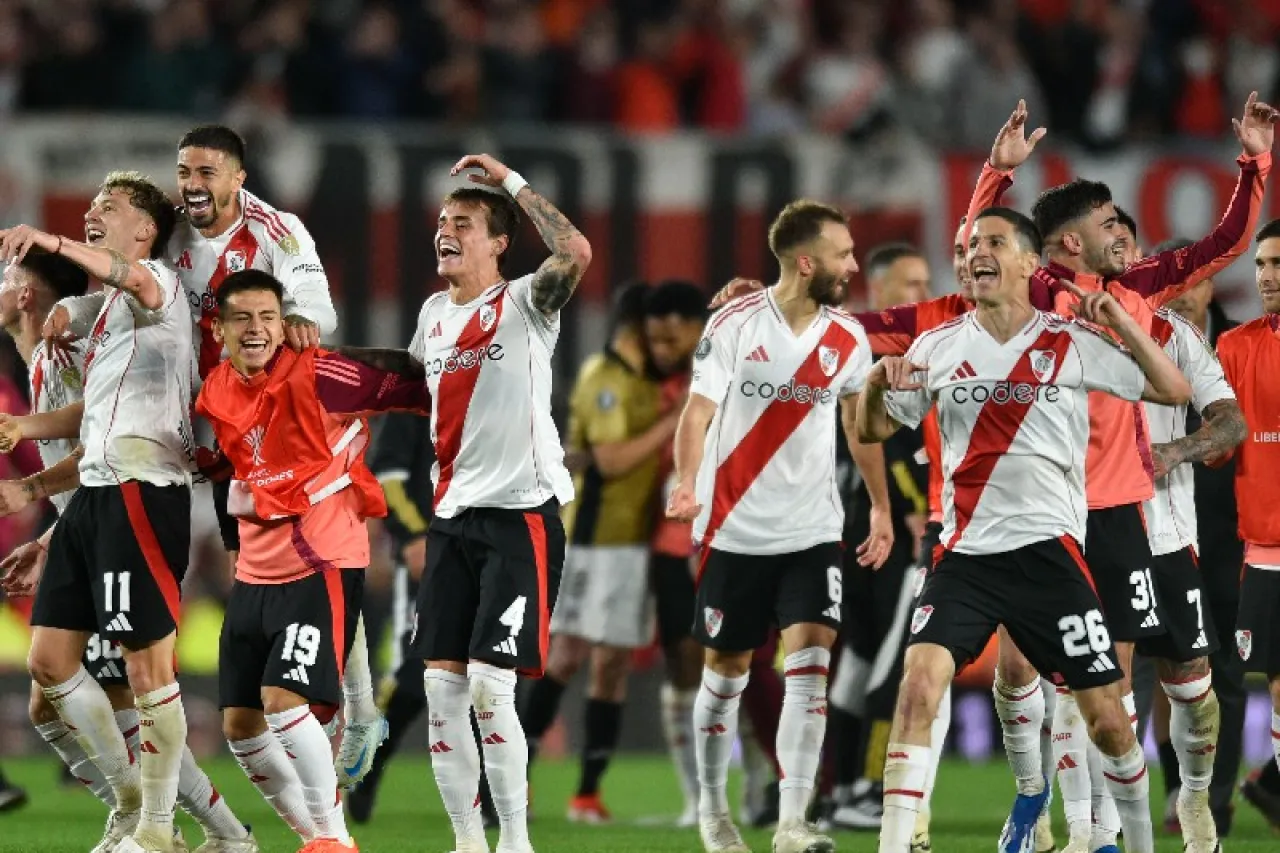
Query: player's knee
pixel 1109 728
pixel 47 668
pixel 918 697
pixel 277 701
pixel 728 664
pixel 39 708
pixel 565 657
pixel 609 668
pixel 242 723
pixel 1013 668
pixel 147 673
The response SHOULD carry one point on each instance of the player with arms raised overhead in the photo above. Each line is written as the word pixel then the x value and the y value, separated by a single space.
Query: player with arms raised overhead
pixel 1010 384
pixel 755 445
pixel 497 544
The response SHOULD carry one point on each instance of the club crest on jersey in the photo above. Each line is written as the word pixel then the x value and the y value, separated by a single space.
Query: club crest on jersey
pixel 828 360
pixel 289 244
pixel 254 439
pixel 713 619
pixel 70 378
pixel 921 618
pixel 703 350
pixel 487 316
pixel 235 261
pixel 1042 364
pixel 1244 644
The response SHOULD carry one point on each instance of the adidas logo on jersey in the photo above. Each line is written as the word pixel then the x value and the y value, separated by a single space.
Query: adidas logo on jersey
pixel 964 371
pixel 1102 664
pixel 120 623
pixel 507 646
pixel 298 674
pixel 435 330
pixel 758 354
pixel 1151 620
pixel 110 671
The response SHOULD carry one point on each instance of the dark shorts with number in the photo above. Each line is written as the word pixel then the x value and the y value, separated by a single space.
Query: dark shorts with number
pixel 742 596
pixel 294 635
pixel 1119 555
pixel 489 586
pixel 1041 593
pixel 1257 636
pixel 116 563
pixel 671 578
pixel 228 524
pixel 104 660
pixel 1189 630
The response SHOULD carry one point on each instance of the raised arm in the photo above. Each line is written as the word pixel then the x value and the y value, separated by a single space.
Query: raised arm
pixel 109 266
pixel 60 423
pixel 390 360
pixel 1010 150
pixel 350 387
pixel 556 279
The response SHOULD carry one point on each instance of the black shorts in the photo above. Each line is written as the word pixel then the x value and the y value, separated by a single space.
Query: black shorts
pixel 294 635
pixel 228 524
pixel 1188 620
pixel 1257 637
pixel 104 660
pixel 676 596
pixel 872 600
pixel 1041 593
pixel 742 596
pixel 931 544
pixel 489 587
pixel 1119 556
pixel 116 563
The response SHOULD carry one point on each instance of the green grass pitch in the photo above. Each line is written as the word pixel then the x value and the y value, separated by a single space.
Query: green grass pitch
pixel 970 806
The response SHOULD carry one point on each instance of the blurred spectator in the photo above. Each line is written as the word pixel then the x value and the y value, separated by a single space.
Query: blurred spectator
pixel 846 85
pixel 646 95
pixel 994 78
pixel 181 68
pixel 377 73
pixel 516 67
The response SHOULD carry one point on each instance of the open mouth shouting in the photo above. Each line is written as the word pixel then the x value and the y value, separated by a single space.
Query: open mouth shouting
pixel 94 234
pixel 199 204
pixel 982 271
pixel 448 250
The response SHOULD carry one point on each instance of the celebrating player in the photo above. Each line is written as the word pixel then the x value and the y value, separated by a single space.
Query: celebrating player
pixel 497 544
pixel 758 434
pixel 135 427
pixel 1010 384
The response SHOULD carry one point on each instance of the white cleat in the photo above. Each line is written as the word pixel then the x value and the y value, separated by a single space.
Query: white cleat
pixel 719 835
pixel 355 754
pixel 213 844
pixel 471 845
pixel 1044 834
pixel 526 847
pixel 130 844
pixel 179 843
pixel 798 836
pixel 120 825
pixel 920 841
pixel 1199 833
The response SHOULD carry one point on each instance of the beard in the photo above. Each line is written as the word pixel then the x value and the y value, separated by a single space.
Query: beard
pixel 827 288
pixel 1102 261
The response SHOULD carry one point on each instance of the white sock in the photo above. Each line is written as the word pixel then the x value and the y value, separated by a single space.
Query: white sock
pixel 677 728
pixel 455 760
pixel 937 741
pixel 1021 714
pixel 201 800
pixel 357 681
pixel 1050 694
pixel 1131 708
pixel 308 747
pixel 757 768
pixel 57 735
pixel 1275 736
pixel 264 760
pixel 905 770
pixel 161 716
pixel 1106 817
pixel 128 722
pixel 1193 729
pixel 801 728
pixel 1129 785
pixel 506 754
pixel 84 707
pixel 715 723
pixel 1071 759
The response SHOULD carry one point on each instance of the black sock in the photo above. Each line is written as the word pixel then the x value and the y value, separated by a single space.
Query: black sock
pixel 603 722
pixel 1269 778
pixel 1169 766
pixel 540 711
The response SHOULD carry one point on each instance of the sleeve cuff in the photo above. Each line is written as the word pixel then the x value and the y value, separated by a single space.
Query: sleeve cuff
pixel 987 168
pixel 1258 161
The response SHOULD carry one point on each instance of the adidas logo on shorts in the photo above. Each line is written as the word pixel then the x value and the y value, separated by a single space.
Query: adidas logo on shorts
pixel 298 674
pixel 110 671
pixel 120 623
pixel 507 646
pixel 1201 642
pixel 1102 664
pixel 1152 620
pixel 832 612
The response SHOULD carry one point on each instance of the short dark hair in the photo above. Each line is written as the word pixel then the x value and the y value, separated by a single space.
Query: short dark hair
pixel 1123 217
pixel 149 198
pixel 247 281
pixel 217 137
pixel 799 222
pixel 1267 231
pixel 501 213
pixel 886 255
pixel 677 296
pixel 1059 206
pixel 1026 230
pixel 1173 244
pixel 57 273
pixel 627 311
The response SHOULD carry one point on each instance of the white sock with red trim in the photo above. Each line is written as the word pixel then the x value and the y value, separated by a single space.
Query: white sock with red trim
pixel 357 681
pixel 198 798
pixel 937 742
pixel 801 728
pixel 1047 763
pixel 1128 783
pixel 127 721
pixel 1071 759
pixel 264 760
pixel 1131 708
pixel 906 768
pixel 59 737
pixel 83 705
pixel 455 758
pixel 164 722
pixel 506 752
pixel 1021 714
pixel 1275 736
pixel 1106 817
pixel 715 725
pixel 677 728
pixel 1193 729
pixel 308 747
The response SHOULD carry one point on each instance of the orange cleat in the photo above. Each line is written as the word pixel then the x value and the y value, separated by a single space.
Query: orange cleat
pixel 329 845
pixel 588 809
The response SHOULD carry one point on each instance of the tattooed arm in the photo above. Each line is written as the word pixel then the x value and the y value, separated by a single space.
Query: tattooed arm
pixel 391 360
pixel 1222 430
pixel 556 279
pixel 107 265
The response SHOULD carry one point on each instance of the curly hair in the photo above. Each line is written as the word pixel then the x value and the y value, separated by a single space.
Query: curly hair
pixel 144 195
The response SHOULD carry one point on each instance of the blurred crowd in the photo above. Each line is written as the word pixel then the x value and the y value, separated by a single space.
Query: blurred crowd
pixel 1102 71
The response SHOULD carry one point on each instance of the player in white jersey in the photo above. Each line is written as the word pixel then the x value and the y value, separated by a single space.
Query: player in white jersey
pixel 496 541
pixel 57 381
pixel 1010 385
pixel 755 472
pixel 134 424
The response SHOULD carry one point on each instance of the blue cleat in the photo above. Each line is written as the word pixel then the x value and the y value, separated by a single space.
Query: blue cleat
pixel 1107 848
pixel 1019 833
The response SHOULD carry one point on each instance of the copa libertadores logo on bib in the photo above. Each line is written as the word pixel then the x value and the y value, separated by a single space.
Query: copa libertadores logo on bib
pixel 254 439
